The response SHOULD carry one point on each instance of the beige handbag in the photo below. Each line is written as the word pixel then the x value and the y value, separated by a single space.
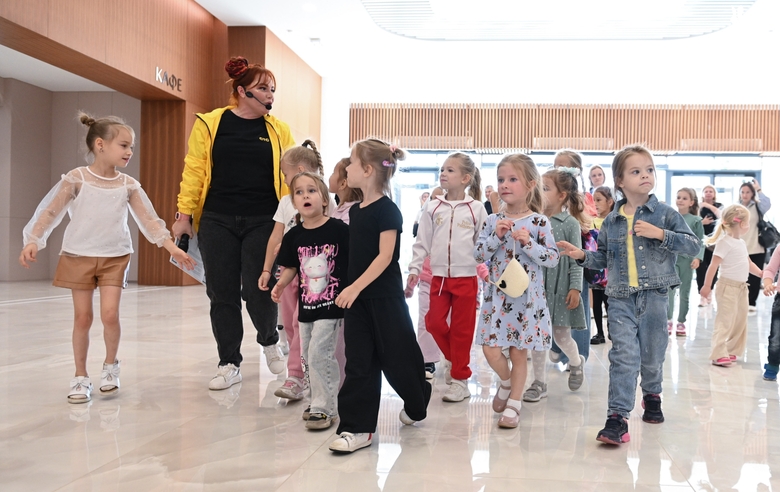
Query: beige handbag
pixel 514 281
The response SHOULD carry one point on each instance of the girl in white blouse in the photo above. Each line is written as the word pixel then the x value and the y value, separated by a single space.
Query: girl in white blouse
pixel 96 246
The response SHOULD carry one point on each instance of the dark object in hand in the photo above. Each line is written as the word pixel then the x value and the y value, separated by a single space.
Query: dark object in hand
pixel 184 242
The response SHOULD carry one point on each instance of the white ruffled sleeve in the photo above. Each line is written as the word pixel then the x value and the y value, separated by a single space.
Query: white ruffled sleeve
pixel 142 210
pixel 52 209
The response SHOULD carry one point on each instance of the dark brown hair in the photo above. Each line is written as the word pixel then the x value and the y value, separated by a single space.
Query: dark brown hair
pixel 694 210
pixel 566 182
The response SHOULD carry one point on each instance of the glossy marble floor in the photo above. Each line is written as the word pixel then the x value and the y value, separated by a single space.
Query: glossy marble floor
pixel 167 431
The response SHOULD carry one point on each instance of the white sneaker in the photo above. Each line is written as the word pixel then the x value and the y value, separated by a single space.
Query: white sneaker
pixel 349 442
pixel 458 391
pixel 226 376
pixel 405 418
pixel 109 378
pixel 292 389
pixel 752 310
pixel 80 390
pixel 447 369
pixel 274 358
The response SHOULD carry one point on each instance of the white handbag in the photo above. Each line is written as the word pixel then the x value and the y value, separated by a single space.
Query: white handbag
pixel 514 281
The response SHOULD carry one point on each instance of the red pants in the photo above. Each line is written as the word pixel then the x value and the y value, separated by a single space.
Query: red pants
pixel 455 339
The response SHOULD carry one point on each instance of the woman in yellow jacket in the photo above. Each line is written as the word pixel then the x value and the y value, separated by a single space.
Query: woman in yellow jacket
pixel 230 189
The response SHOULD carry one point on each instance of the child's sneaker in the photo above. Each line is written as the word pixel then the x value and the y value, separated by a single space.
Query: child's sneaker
pixel 535 392
pixel 669 326
pixel 577 374
pixel 292 389
pixel 723 362
pixel 80 390
pixel 652 405
pixel 226 376
pixel 680 332
pixel 274 358
pixel 458 391
pixel 770 372
pixel 615 431
pixel 430 370
pixel 306 413
pixel 447 368
pixel 404 418
pixel 348 442
pixel 319 421
pixel 109 378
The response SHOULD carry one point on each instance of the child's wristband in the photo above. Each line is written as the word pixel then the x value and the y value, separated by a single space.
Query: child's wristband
pixel 266 271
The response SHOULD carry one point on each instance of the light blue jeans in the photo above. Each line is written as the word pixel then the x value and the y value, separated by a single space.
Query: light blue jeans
pixel 639 338
pixel 318 349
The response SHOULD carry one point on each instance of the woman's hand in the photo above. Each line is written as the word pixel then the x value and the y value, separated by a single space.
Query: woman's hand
pixel 570 250
pixel 573 299
pixel 522 235
pixel 646 229
pixel 29 253
pixel 180 227
pixel 707 220
pixel 347 297
pixel 695 263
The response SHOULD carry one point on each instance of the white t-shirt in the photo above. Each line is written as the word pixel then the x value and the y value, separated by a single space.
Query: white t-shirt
pixel 736 262
pixel 286 212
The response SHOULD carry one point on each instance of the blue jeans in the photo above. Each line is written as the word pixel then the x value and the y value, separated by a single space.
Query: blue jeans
pixel 318 350
pixel 581 337
pixel 774 334
pixel 639 338
pixel 233 252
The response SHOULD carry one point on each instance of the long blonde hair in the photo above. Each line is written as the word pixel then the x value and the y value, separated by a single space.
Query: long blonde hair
pixel 732 216
pixel 525 168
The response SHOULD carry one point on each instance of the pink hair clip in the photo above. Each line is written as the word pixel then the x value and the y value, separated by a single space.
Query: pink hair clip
pixel 388 164
pixel 393 148
pixel 737 220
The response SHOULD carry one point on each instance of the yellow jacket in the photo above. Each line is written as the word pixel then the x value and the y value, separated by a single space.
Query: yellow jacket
pixel 196 178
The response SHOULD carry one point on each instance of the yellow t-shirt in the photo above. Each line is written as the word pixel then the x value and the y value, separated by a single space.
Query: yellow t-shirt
pixel 633 276
pixel 597 221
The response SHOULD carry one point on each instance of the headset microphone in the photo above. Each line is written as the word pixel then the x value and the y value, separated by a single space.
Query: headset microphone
pixel 252 96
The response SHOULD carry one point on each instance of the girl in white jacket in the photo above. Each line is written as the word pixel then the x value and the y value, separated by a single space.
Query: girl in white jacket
pixel 448 228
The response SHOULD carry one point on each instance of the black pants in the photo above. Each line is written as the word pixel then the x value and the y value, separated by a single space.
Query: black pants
pixel 599 297
pixel 701 272
pixel 379 337
pixel 754 283
pixel 233 251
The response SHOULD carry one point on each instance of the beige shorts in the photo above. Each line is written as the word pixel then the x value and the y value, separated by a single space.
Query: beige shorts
pixel 88 272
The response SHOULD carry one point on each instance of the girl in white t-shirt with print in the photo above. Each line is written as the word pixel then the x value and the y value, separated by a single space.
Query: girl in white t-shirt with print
pixel 97 245
pixel 729 337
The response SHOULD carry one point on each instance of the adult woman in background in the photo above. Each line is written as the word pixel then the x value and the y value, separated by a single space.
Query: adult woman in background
pixel 710 213
pixel 230 189
pixel 756 202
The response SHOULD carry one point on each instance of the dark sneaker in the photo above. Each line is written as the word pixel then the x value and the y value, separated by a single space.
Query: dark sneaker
pixel 319 421
pixel 652 406
pixel 430 370
pixel 615 431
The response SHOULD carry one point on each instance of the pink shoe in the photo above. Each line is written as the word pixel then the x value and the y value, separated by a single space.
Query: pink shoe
pixel 723 362
pixel 681 330
pixel 669 326
pixel 733 358
pixel 510 422
pixel 499 404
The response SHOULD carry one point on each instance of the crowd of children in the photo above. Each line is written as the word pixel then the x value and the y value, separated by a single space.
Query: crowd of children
pixel 335 272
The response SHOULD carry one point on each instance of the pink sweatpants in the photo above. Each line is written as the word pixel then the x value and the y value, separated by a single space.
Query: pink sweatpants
pixel 289 314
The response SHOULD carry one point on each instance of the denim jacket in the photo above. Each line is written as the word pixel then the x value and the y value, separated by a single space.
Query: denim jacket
pixel 654 259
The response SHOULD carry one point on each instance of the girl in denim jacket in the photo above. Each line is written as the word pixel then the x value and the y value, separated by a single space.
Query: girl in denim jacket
pixel 638 244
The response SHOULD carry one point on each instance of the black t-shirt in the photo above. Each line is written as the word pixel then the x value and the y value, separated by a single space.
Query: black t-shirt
pixel 704 213
pixel 365 226
pixel 242 178
pixel 320 255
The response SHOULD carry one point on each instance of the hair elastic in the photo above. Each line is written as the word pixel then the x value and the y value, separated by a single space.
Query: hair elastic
pixel 572 171
pixel 388 164
pixel 736 219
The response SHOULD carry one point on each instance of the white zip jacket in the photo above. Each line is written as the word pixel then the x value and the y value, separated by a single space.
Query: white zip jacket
pixel 447 232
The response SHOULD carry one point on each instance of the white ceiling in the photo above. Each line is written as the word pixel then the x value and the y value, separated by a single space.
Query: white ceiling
pixel 15 65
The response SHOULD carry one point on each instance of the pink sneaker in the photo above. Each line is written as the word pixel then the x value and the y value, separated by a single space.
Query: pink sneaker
pixel 669 326
pixel 723 362
pixel 733 358
pixel 681 330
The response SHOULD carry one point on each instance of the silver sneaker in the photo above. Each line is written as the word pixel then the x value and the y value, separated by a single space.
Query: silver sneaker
pixel 536 391
pixel 274 358
pixel 226 376
pixel 577 374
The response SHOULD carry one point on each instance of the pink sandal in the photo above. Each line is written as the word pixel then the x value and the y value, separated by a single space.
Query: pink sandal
pixel 510 422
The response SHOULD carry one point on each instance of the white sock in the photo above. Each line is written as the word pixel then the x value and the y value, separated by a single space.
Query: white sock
pixel 539 359
pixel 508 412
pixel 504 393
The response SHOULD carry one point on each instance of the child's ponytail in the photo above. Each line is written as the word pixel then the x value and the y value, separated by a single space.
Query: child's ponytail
pixel 732 216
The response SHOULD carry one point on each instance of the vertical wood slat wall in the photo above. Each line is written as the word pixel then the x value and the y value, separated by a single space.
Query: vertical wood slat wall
pixel 594 127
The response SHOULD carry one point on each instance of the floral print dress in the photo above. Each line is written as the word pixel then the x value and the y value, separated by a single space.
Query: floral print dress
pixel 522 322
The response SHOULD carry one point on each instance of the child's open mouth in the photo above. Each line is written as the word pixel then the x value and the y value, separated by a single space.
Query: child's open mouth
pixel 306 204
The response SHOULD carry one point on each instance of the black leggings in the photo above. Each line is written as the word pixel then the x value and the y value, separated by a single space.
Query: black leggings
pixel 701 272
pixel 599 296
pixel 754 283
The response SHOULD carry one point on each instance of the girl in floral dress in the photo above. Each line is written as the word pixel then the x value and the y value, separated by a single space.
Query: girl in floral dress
pixel 520 323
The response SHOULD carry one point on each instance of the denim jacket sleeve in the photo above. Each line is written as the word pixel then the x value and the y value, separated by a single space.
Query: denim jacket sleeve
pixel 678 237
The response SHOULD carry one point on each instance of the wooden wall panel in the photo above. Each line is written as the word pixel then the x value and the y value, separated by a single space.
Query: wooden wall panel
pixel 85 32
pixel 24 13
pixel 249 42
pixel 549 127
